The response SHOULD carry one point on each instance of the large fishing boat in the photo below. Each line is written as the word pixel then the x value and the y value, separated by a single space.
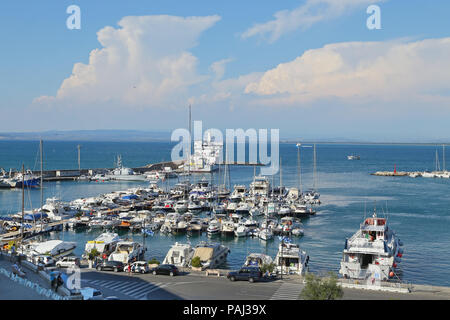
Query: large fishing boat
pixel 372 252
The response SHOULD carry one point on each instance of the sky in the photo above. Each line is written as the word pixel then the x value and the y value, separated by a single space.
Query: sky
pixel 311 68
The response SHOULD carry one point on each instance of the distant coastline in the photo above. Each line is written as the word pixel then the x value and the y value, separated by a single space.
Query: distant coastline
pixel 164 136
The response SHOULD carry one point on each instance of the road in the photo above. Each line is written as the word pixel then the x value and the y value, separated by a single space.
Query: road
pixel 200 287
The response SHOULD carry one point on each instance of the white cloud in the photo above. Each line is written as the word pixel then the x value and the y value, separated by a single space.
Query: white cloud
pixel 144 63
pixel 359 72
pixel 304 16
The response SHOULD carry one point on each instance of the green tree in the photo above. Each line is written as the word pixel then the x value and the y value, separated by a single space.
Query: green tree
pixel 93 254
pixel 196 263
pixel 318 288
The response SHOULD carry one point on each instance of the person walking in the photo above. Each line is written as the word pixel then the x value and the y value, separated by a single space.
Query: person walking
pixel 129 269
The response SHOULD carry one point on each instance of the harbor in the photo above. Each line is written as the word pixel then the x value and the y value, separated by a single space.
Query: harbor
pixel 196 209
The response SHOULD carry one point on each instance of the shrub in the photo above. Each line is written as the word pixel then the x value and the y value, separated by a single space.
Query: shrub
pixel 153 261
pixel 267 267
pixel 318 288
pixel 196 263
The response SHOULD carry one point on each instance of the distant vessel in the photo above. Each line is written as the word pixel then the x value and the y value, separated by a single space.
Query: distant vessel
pixel 353 157
pixel 206 155
pixel 122 173
pixel 372 252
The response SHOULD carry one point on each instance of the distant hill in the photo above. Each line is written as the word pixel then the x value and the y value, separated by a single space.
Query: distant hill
pixel 89 135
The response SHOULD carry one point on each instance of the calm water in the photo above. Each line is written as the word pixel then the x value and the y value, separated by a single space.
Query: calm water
pixel 418 209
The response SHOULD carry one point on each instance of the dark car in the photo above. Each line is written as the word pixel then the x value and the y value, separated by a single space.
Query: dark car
pixel 246 273
pixel 115 266
pixel 168 269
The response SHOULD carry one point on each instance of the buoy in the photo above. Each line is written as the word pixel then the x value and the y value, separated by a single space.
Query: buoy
pixel 391 274
pixel 394 265
pixel 399 255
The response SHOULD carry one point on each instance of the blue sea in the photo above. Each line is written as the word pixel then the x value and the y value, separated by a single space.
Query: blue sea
pixel 418 209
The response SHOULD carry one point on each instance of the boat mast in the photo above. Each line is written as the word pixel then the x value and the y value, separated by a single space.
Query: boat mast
pixel 299 169
pixel 42 181
pixel 79 158
pixel 190 145
pixel 314 170
pixel 23 201
pixel 281 177
pixel 443 157
pixel 42 174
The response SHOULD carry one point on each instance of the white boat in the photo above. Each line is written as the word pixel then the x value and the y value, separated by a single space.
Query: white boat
pixel 290 259
pixel 214 227
pixel 265 234
pixel 122 173
pixel 427 174
pixel 241 231
pixel 127 251
pixel 255 212
pixel 228 227
pixel 179 255
pixel 53 248
pixel 372 252
pixel 104 244
pixel 243 208
pixel 260 186
pixel 182 206
pixel 353 157
pixel 257 260
pixel 212 255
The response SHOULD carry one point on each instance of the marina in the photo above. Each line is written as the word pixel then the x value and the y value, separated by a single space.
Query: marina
pixel 188 222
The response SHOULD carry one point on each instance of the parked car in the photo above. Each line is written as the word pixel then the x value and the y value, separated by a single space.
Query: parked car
pixel 43 259
pixel 138 267
pixel 247 273
pixel 69 261
pixel 111 298
pixel 168 269
pixel 115 266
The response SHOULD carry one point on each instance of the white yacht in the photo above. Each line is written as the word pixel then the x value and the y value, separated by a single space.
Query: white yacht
pixel 373 251
pixel 214 227
pixel 104 243
pixel 291 259
pixel 182 206
pixel 260 186
pixel 257 259
pixel 265 234
pixel 127 251
pixel 179 255
pixel 212 255
pixel 241 231
pixel 53 248
pixel 353 157
pixel 228 227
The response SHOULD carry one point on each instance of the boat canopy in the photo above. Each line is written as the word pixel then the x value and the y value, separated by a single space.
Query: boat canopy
pixel 205 254
pixel 35 216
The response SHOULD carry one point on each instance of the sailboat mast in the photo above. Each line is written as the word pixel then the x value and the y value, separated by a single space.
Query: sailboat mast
pixel 23 200
pixel 314 170
pixel 299 169
pixel 190 144
pixel 42 173
pixel 79 157
pixel 281 177
pixel 443 157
